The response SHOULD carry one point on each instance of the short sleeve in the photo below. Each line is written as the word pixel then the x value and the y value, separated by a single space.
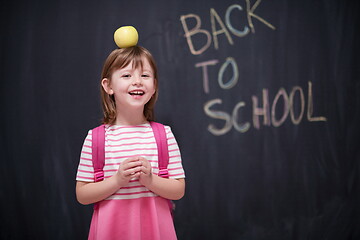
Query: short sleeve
pixel 85 172
pixel 175 167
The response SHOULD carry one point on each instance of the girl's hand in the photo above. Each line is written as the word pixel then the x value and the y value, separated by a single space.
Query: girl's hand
pixel 146 172
pixel 130 168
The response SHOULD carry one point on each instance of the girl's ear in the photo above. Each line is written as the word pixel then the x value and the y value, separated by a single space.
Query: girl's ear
pixel 155 81
pixel 105 83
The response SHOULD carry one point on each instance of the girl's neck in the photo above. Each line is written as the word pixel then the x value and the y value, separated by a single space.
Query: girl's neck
pixel 130 118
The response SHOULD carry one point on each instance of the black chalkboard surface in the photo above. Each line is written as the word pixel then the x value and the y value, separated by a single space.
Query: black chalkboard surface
pixel 262 96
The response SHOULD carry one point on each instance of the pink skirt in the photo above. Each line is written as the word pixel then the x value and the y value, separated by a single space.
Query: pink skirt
pixel 146 218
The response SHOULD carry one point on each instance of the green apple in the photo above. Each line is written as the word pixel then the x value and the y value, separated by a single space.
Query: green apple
pixel 126 36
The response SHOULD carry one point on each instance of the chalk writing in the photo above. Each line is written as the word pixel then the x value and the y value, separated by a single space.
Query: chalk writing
pixel 262 110
pixel 235 31
pixel 232 82
pixel 293 104
pixel 205 73
pixel 215 19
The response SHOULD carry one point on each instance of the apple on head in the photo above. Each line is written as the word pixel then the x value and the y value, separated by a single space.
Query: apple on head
pixel 126 36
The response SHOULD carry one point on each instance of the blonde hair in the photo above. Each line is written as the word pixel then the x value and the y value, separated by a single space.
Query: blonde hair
pixel 120 58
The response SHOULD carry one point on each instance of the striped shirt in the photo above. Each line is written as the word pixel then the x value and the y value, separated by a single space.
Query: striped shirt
pixel 122 142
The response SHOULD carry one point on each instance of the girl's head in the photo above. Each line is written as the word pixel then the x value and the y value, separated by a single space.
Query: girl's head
pixel 118 59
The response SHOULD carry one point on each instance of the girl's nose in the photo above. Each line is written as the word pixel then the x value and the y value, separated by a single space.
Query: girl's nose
pixel 137 81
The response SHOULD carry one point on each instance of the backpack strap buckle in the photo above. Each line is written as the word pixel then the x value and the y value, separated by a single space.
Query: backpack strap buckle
pixel 164 173
pixel 99 176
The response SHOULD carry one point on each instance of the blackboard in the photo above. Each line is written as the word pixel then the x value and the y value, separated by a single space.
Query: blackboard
pixel 262 96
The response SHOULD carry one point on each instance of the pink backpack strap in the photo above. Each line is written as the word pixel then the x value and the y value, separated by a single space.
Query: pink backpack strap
pixel 162 146
pixel 163 155
pixel 98 152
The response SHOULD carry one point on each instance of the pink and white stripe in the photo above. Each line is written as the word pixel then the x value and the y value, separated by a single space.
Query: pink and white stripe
pixel 122 142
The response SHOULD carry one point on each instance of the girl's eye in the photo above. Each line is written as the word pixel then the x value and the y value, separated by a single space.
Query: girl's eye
pixel 145 76
pixel 126 76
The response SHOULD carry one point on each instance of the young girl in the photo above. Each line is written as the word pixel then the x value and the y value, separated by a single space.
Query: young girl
pixel 131 202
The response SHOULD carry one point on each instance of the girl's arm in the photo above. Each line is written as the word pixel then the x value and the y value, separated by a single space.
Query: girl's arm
pixel 87 193
pixel 172 189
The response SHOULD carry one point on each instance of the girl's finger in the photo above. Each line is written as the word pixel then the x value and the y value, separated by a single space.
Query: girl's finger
pixel 133 171
pixel 132 159
pixel 134 164
pixel 128 165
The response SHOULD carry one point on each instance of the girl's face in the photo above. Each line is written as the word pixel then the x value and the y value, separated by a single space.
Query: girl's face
pixel 132 87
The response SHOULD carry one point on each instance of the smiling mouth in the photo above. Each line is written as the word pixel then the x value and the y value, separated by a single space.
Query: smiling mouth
pixel 137 93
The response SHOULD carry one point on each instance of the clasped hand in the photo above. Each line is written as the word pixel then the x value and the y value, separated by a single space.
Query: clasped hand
pixel 134 167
